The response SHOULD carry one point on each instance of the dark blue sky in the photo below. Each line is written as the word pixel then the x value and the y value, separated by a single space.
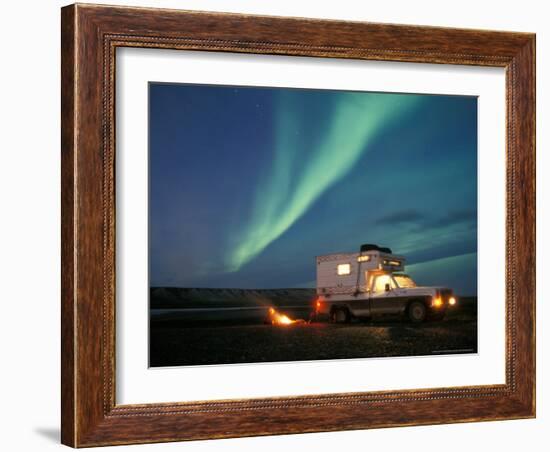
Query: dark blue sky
pixel 248 185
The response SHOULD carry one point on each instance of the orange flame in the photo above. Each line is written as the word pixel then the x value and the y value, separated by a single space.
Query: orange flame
pixel 279 319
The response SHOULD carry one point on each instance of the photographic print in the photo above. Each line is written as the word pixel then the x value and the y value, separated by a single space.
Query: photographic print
pixel 292 224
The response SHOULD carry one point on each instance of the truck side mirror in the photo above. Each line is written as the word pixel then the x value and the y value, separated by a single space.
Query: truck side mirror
pixel 388 287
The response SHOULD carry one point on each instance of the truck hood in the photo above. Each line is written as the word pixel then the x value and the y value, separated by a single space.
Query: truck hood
pixel 424 290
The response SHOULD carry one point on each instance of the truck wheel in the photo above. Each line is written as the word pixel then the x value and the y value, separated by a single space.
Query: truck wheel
pixel 340 315
pixel 417 312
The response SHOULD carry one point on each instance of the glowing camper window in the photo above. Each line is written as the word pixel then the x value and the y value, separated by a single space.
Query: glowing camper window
pixel 363 258
pixel 343 269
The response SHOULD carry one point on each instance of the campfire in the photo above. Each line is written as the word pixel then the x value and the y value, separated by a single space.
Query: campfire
pixel 277 318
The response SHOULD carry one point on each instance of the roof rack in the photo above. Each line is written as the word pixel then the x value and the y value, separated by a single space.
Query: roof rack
pixel 373 247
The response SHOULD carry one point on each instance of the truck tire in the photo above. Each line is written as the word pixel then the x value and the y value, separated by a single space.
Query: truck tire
pixel 417 312
pixel 340 315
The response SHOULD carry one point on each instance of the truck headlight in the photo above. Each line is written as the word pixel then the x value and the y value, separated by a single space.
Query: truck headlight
pixel 452 301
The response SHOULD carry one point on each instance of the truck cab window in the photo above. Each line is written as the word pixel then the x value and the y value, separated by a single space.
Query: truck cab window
pixel 380 283
pixel 404 281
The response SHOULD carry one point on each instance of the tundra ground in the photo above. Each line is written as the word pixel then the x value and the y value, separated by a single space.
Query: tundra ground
pixel 200 337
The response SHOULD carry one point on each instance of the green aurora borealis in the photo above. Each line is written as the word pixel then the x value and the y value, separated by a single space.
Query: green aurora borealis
pixel 292 185
pixel 249 184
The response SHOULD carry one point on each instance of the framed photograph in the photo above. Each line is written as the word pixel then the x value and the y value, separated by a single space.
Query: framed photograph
pixel 282 225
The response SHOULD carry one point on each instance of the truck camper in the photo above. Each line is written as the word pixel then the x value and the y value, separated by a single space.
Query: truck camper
pixel 372 283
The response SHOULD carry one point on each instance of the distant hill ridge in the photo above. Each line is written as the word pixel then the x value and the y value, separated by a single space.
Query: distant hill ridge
pixel 176 297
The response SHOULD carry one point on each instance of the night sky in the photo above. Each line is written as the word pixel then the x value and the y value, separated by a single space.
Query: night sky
pixel 248 185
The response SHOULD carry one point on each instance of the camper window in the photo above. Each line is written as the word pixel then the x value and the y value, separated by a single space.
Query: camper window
pixel 343 269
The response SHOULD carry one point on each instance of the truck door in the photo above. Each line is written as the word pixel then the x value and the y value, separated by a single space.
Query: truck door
pixel 360 305
pixel 384 301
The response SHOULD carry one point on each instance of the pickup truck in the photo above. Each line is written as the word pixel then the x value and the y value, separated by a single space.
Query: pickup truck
pixel 372 283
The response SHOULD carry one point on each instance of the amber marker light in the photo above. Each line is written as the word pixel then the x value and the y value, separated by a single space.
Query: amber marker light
pixel 437 302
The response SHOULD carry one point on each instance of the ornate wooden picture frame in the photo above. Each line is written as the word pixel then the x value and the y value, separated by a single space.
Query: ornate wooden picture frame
pixel 90 37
